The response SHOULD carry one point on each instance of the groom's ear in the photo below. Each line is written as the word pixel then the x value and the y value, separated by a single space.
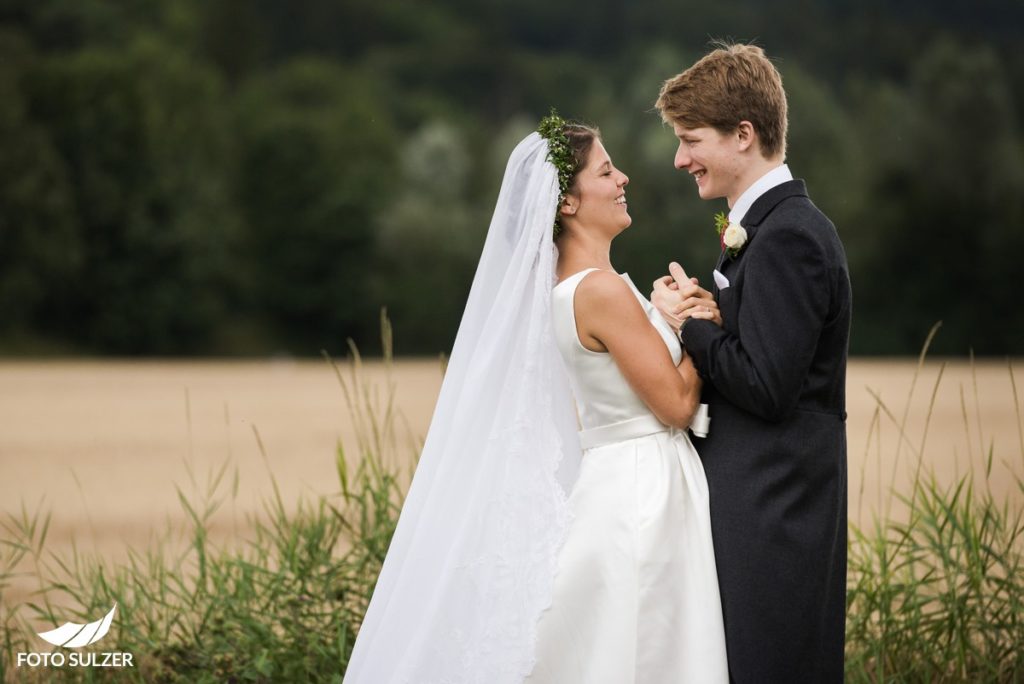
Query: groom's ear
pixel 746 135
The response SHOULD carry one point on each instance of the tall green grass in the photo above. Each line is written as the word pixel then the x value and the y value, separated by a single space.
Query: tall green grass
pixel 281 605
pixel 936 584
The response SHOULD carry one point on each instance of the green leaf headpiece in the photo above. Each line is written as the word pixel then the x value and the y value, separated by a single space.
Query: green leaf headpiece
pixel 552 129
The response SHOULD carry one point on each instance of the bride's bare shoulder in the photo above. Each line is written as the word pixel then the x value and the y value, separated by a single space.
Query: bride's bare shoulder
pixel 602 290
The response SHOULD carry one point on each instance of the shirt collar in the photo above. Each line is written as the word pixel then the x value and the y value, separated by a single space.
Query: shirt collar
pixel 777 176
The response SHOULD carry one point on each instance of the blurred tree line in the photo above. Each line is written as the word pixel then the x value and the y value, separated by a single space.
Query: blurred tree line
pixel 260 176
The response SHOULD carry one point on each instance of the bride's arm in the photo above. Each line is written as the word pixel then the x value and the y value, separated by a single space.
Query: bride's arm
pixel 609 318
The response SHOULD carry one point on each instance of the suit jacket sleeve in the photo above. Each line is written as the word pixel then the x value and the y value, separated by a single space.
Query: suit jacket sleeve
pixel 782 309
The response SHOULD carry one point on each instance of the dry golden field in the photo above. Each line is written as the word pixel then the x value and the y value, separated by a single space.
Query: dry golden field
pixel 102 444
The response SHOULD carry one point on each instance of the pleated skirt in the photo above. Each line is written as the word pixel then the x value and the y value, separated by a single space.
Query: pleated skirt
pixel 636 593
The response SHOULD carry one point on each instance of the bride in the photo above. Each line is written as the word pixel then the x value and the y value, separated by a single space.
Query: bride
pixel 528 550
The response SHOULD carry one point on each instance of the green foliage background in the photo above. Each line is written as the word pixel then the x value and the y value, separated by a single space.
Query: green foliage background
pixel 257 176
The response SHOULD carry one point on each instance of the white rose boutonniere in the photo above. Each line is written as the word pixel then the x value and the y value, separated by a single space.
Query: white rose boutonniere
pixel 732 235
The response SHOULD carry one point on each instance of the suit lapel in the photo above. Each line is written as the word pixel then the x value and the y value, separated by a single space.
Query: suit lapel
pixel 756 215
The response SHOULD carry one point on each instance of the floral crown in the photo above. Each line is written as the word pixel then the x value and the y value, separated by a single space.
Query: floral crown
pixel 552 129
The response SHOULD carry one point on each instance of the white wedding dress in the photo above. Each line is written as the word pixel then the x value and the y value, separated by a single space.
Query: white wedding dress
pixel 635 596
pixel 518 552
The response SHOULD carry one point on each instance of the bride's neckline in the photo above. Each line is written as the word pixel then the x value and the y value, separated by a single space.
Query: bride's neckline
pixel 587 270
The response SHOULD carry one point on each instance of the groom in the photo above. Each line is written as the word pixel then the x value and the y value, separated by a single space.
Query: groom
pixel 773 362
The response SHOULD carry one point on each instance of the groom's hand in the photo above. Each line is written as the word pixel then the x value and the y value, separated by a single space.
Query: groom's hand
pixel 697 302
pixel 679 297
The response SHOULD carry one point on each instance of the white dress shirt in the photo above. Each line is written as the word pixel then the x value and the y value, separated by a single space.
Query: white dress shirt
pixel 777 176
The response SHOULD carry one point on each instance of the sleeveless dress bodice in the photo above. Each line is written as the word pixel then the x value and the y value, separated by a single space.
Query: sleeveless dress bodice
pixel 603 396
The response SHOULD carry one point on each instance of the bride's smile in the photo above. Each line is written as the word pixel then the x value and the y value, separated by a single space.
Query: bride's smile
pixel 598 197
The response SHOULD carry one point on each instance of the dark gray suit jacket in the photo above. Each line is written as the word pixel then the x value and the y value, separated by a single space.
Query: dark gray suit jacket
pixel 775 458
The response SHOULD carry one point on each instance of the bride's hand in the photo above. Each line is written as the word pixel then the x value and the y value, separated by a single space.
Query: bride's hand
pixel 679 297
pixel 666 299
pixel 696 301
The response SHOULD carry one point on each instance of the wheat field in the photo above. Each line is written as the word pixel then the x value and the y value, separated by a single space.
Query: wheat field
pixel 105 445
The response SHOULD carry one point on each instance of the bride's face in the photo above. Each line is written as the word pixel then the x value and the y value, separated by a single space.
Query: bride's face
pixel 598 197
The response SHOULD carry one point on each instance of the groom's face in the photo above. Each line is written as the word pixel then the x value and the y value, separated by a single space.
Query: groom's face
pixel 711 158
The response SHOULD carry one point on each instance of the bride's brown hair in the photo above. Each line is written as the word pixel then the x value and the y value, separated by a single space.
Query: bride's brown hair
pixel 581 140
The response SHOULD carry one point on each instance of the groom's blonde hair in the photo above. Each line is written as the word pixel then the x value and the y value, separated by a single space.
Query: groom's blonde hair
pixel 733 83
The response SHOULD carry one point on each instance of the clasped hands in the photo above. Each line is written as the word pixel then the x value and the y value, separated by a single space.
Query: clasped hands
pixel 679 297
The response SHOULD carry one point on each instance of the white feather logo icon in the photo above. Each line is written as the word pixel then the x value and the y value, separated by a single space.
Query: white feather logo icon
pixel 74 635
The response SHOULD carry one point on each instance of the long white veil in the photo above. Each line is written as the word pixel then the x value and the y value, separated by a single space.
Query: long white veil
pixel 472 562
